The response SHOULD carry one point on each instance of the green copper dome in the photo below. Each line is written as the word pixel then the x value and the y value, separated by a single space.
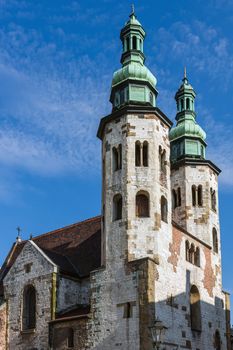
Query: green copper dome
pixel 187 128
pixel 133 83
pixel 187 137
pixel 134 71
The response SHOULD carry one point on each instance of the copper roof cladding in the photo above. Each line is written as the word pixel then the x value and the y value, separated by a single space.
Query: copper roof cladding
pixel 75 249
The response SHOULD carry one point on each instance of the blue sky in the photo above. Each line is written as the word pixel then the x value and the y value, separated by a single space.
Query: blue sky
pixel 56 63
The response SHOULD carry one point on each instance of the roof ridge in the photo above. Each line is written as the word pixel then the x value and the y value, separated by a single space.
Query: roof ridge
pixel 94 218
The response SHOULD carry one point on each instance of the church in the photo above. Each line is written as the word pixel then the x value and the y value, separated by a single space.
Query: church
pixel 145 274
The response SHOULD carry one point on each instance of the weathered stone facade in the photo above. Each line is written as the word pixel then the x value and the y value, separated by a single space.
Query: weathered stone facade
pixel 155 252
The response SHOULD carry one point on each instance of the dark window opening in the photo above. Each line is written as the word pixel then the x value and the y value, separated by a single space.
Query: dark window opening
pixel 213 199
pixel 142 205
pixel 127 310
pixel 215 240
pixel 138 153
pixel 117 207
pixel 217 340
pixel 145 153
pixel 194 197
pixel 128 44
pixel 200 197
pixel 191 254
pixel 70 338
pixel 162 160
pixel 197 257
pixel 174 199
pixel 29 308
pixel 187 250
pixel 134 43
pixel 164 209
pixel 195 309
pixel 187 103
pixel 182 104
pixel 117 158
pixel 179 197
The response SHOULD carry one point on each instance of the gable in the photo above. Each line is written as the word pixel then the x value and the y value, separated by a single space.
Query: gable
pixel 32 256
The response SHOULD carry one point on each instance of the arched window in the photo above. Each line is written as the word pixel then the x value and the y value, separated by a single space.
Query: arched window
pixel 215 240
pixel 163 209
pixel 162 159
pixel 134 43
pixel 213 199
pixel 29 308
pixel 145 153
pixel 194 197
pixel 200 197
pixel 117 207
pixel 217 340
pixel 70 338
pixel 174 199
pixel 195 309
pixel 138 153
pixel 191 254
pixel 142 205
pixel 187 250
pixel 187 103
pixel 117 158
pixel 128 44
pixel 197 257
pixel 179 197
pixel 182 104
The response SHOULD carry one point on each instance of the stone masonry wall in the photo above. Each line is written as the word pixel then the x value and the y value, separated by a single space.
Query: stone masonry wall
pixel 40 277
pixel 71 292
pixel 3 325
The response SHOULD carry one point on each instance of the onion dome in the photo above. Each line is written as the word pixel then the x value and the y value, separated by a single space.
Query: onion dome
pixel 133 83
pixel 187 137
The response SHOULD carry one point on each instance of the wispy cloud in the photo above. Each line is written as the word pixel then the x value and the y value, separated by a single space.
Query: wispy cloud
pixel 50 113
pixel 208 54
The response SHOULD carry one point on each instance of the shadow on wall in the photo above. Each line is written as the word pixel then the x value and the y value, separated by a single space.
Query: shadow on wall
pixel 190 323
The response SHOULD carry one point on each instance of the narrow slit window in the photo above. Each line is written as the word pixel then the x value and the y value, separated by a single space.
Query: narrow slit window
pixel 200 196
pixel 197 257
pixel 215 240
pixel 134 43
pixel 194 196
pixel 70 338
pixel 164 209
pixel 145 153
pixel 179 197
pixel 138 153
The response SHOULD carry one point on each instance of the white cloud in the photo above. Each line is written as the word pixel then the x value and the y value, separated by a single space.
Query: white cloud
pixel 50 113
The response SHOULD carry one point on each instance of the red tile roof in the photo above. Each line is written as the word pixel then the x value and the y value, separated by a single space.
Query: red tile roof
pixel 76 248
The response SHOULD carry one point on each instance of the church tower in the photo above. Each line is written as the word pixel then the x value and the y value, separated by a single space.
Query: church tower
pixel 194 179
pixel 161 260
pixel 135 154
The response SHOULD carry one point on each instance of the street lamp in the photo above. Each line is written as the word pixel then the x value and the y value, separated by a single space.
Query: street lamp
pixel 158 332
